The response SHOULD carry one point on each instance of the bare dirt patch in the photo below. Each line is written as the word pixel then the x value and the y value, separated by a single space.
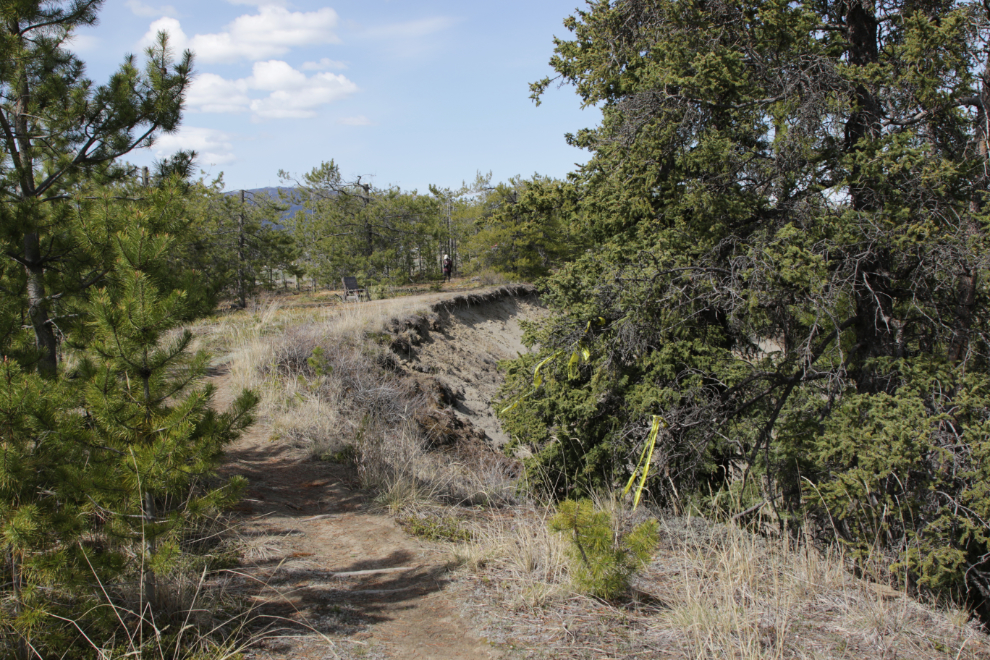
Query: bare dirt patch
pixel 334 573
pixel 461 342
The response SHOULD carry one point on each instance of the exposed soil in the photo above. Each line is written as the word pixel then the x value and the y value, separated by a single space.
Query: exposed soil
pixel 333 573
pixel 461 343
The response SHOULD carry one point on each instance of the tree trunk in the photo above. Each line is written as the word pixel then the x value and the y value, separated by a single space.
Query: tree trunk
pixel 21 651
pixel 241 285
pixel 150 587
pixel 967 283
pixel 44 334
pixel 864 122
pixel 876 329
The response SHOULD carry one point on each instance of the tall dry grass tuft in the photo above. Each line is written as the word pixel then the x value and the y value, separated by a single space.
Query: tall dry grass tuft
pixel 733 594
pixel 190 620
pixel 519 556
pixel 190 615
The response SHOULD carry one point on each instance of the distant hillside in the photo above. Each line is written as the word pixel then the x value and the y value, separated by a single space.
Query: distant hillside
pixel 273 192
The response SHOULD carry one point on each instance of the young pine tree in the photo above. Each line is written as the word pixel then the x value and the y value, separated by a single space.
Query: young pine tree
pixel 149 413
pixel 120 457
pixel 603 558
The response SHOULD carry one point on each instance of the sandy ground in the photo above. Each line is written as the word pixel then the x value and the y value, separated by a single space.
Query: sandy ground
pixel 334 575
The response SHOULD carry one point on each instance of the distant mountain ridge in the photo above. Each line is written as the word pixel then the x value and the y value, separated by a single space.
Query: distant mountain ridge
pixel 273 193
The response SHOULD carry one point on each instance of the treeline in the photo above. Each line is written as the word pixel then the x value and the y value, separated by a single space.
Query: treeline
pixel 390 236
pixel 384 237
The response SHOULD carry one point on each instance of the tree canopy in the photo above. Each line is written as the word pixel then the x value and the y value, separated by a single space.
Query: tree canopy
pixel 788 207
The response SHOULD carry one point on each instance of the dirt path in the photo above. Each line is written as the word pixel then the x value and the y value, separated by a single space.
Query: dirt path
pixel 331 571
pixel 339 578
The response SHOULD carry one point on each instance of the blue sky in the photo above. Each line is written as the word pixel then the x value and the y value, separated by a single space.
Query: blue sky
pixel 406 93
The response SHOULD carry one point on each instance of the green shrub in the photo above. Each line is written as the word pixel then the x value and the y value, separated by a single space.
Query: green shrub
pixel 603 559
pixel 434 528
pixel 383 290
pixel 318 363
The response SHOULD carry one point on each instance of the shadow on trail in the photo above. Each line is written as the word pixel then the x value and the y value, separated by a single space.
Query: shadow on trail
pixel 297 510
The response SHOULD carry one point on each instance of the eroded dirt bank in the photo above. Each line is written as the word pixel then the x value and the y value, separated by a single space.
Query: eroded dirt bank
pixel 322 561
pixel 461 341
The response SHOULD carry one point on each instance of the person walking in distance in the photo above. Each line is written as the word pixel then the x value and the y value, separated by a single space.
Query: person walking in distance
pixel 448 265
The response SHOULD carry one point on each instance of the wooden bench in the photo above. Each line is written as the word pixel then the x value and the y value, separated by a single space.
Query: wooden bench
pixel 351 288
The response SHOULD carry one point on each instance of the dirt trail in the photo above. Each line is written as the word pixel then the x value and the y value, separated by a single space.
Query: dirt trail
pixel 306 525
pixel 340 577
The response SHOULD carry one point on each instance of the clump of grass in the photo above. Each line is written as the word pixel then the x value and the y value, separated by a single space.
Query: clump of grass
pixel 517 555
pixel 346 455
pixel 434 527
pixel 489 277
pixel 399 490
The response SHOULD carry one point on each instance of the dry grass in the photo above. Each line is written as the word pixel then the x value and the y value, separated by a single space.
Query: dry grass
pixel 713 591
pixel 519 557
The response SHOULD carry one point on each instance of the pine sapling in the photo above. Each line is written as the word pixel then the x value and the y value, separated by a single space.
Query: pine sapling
pixel 602 558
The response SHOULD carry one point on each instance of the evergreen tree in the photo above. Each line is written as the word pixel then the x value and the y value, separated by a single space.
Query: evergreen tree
pixel 155 424
pixel 239 239
pixel 103 473
pixel 57 130
pixel 788 206
pixel 353 228
pixel 45 515
pixel 526 229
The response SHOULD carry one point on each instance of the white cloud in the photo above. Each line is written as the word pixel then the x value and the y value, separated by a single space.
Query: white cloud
pixel 324 64
pixel 138 8
pixel 300 101
pixel 417 29
pixel 177 39
pixel 258 3
pixel 212 93
pixel 276 75
pixel 212 146
pixel 82 43
pixel 359 120
pixel 291 93
pixel 272 31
